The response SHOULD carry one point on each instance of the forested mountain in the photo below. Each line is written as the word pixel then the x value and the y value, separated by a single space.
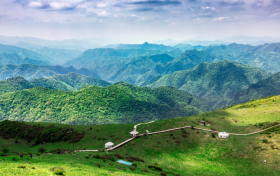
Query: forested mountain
pixel 29 71
pixel 264 56
pixel 106 57
pixel 118 103
pixel 267 87
pixel 188 60
pixel 146 46
pixel 14 84
pixel 68 82
pixel 215 82
pixel 59 56
pixel 14 55
pixel 138 70
pixel 15 59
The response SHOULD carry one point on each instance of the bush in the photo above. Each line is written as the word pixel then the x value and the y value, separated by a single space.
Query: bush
pixel 133 164
pixel 22 166
pixel 155 167
pixel 87 157
pixel 97 156
pixel 265 141
pixel 2 154
pixel 42 150
pixel 5 150
pixel 58 170
pixel 14 158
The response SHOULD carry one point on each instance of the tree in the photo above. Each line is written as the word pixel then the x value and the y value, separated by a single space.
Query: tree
pixel 5 150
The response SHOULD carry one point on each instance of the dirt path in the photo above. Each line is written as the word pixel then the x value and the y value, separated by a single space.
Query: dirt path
pixel 173 129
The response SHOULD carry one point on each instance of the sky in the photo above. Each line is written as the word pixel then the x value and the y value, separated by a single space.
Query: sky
pixel 139 20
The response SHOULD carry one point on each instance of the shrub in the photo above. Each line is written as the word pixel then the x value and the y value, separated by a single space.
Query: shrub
pixel 155 167
pixel 163 174
pixel 42 150
pixel 22 166
pixel 5 150
pixel 96 156
pixel 133 164
pixel 14 158
pixel 98 165
pixel 87 157
pixel 2 154
pixel 58 170
pixel 32 167
pixel 145 170
pixel 213 135
pixel 265 141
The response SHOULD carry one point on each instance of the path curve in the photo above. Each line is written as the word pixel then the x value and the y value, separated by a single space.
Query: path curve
pixel 173 129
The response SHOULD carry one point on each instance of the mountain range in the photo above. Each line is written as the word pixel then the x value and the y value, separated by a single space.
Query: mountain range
pixel 215 82
pixel 263 56
pixel 67 82
pixel 14 55
pixel 29 71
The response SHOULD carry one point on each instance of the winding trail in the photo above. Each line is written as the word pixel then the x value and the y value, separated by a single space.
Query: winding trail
pixel 172 129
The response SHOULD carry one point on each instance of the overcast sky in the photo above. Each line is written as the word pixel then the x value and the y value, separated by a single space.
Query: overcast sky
pixel 139 20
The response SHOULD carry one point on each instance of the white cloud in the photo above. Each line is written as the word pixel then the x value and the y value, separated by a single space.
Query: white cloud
pixel 35 4
pixel 213 9
pixel 101 5
pixel 103 14
pixel 221 19
pixel 61 5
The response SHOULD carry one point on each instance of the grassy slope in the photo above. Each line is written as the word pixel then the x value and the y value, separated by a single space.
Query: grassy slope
pixel 119 103
pixel 196 154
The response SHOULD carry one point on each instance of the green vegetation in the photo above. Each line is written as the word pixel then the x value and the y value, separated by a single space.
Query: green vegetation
pixel 68 82
pixel 36 133
pixel 264 56
pixel 34 71
pixel 215 82
pixel 180 152
pixel 14 55
pixel 119 103
pixel 14 84
pixel 263 88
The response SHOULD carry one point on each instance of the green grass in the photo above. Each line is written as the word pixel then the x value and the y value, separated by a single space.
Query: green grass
pixel 183 152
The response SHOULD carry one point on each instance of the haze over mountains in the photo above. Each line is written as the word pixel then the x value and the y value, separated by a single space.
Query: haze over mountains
pixel 221 75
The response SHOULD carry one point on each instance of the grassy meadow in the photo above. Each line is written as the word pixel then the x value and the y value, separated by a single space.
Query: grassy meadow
pixel 181 152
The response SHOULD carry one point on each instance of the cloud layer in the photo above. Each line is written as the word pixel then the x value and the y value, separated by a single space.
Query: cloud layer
pixel 141 16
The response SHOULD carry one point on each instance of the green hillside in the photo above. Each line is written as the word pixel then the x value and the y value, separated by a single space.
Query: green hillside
pixel 215 82
pixel 14 84
pixel 263 88
pixel 118 103
pixel 181 152
pixel 29 71
pixel 68 82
